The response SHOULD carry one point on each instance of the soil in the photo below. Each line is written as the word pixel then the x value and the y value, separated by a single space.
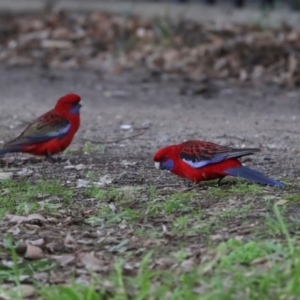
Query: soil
pixel 161 109
pixel 168 109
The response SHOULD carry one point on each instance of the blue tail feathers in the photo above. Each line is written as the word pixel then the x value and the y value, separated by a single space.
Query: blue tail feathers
pixel 253 175
pixel 9 149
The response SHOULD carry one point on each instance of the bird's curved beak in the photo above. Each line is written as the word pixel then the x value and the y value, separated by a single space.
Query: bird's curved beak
pixel 157 165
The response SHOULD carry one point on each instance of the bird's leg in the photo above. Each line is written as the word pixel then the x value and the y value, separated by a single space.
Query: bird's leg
pixel 59 159
pixel 188 183
pixel 219 181
pixel 50 158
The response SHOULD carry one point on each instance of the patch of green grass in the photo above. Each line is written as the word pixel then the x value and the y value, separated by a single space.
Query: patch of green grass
pixel 152 193
pixel 174 203
pixel 235 269
pixel 295 197
pixel 182 196
pixel 100 148
pixel 272 227
pixel 217 191
pixel 181 223
pixel 112 206
pixel 14 271
pixel 22 196
pixel 69 151
pixel 230 274
pixel 73 292
pixel 106 217
pixel 240 186
pixel 95 192
pixel 243 186
pixel 112 194
pixel 232 212
pixel 89 147
pixel 244 253
pixel 184 261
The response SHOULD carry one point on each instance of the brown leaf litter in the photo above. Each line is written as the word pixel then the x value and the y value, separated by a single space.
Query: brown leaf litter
pixel 115 43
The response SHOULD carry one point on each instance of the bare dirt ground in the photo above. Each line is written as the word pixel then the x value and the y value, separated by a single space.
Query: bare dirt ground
pixel 164 109
pixel 168 109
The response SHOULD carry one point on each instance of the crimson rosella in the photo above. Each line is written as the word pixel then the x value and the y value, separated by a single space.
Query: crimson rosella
pixel 52 132
pixel 200 161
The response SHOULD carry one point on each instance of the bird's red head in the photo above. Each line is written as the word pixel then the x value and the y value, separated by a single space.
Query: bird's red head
pixel 69 103
pixel 164 159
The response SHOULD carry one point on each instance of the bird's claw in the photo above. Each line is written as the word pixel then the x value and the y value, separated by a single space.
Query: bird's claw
pixel 53 160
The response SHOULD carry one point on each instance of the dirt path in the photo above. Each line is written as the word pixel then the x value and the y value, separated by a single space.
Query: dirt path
pixel 169 110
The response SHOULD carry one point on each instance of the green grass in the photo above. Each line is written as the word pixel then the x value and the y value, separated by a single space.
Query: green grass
pixel 231 274
pixel 232 212
pixel 89 147
pixel 174 203
pixel 240 186
pixel 295 197
pixel 234 269
pixel 120 198
pixel 192 253
pixel 19 269
pixel 22 196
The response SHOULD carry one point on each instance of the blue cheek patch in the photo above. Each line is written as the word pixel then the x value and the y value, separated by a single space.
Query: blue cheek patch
pixel 167 165
pixel 75 110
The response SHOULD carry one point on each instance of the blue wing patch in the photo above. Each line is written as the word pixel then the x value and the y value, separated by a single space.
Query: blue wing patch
pixel 41 131
pixel 201 163
pixel 58 133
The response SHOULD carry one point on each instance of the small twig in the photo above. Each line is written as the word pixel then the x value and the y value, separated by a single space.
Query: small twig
pixel 160 187
pixel 230 137
pixel 286 130
pixel 32 113
pixel 115 141
pixel 24 122
pixel 196 185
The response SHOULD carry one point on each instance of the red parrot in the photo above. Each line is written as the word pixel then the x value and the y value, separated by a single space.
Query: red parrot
pixel 200 161
pixel 52 132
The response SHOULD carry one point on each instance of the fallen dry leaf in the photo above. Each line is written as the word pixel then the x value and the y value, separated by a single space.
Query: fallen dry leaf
pixel 64 259
pixel 33 252
pixel 188 264
pixel 36 217
pixel 6 175
pixel 90 261
pixel 16 219
pixel 26 291
pixel 38 243
pixel 85 183
pixel 128 163
pixel 105 180
pixel 69 240
pixel 281 202
pixel 29 218
pixel 242 51
pixel 81 167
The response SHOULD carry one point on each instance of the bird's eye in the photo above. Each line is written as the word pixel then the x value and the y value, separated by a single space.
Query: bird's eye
pixel 163 156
